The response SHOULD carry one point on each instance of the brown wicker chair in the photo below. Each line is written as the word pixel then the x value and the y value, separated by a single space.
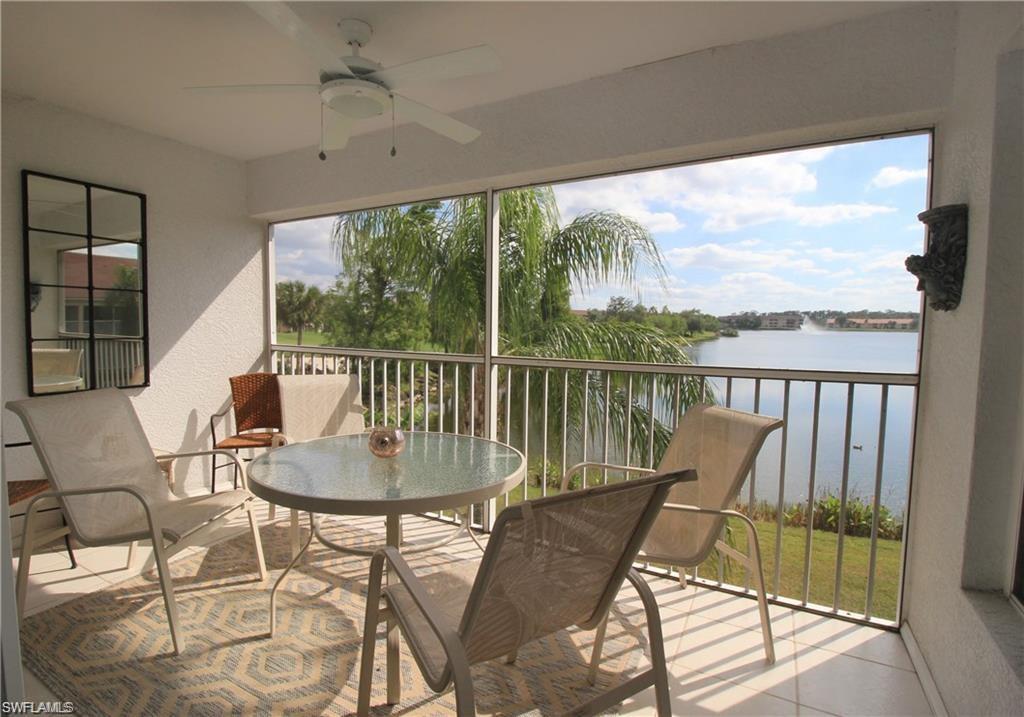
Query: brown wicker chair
pixel 257 406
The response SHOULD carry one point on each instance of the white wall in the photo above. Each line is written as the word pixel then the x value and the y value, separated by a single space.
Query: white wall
pixel 965 498
pixel 205 268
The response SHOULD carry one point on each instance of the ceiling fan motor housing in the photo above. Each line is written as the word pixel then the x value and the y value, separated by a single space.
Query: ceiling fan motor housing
pixel 357 99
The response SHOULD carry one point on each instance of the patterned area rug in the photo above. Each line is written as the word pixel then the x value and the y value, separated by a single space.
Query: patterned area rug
pixel 110 652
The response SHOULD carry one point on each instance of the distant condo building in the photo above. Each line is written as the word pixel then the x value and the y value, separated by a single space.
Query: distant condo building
pixel 790 321
pixel 884 324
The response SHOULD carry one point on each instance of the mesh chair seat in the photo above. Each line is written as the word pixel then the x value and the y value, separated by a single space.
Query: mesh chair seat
pixel 246 440
pixel 450 588
pixel 183 516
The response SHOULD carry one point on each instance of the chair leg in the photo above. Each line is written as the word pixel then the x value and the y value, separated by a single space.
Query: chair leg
pixel 255 527
pixel 67 542
pixel 131 554
pixel 167 588
pixel 657 641
pixel 271 511
pixel 762 598
pixel 510 658
pixel 682 578
pixel 370 635
pixel 595 655
pixel 235 482
pixel 28 544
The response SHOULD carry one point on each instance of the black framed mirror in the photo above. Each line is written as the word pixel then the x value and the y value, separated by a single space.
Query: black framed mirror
pixel 86 317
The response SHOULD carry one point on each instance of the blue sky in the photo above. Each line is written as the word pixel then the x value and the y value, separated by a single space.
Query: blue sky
pixel 819 228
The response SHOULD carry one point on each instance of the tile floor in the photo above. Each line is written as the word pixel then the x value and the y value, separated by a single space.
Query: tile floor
pixel 712 641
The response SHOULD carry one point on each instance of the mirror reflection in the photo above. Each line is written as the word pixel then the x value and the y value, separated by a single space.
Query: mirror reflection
pixel 85 290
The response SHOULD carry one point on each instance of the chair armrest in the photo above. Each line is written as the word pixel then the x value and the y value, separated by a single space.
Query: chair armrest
pixel 213 428
pixel 594 464
pixel 278 440
pixel 213 452
pixel 449 638
pixel 154 527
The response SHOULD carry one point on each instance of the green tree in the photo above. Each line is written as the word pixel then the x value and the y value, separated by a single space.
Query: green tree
pixel 437 250
pixel 124 303
pixel 299 306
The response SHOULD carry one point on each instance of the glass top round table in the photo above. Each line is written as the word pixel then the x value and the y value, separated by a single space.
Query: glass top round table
pixel 339 475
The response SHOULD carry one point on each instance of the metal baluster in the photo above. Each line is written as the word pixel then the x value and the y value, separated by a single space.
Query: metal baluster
pixel 607 423
pixel 412 395
pixel 781 504
pixel 526 429
pixel 565 421
pixel 508 406
pixel 384 387
pixel 455 417
pixel 426 395
pixel 373 392
pixel 883 412
pixel 728 392
pixel 629 422
pixel 837 589
pixel 544 440
pixel 472 399
pixel 810 492
pixel 650 424
pixel 440 397
pixel 677 404
pixel 398 393
pixel 586 422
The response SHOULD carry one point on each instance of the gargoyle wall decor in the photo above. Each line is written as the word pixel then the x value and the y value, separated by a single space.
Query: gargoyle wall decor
pixel 940 272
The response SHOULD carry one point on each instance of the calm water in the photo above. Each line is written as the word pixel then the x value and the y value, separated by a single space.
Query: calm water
pixel 812 348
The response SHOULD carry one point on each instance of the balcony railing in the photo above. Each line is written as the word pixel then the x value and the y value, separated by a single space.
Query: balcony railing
pixel 829 507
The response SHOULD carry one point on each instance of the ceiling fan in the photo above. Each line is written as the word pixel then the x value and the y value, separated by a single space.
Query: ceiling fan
pixel 356 88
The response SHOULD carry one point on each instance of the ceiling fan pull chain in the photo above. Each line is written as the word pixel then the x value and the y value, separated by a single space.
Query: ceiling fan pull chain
pixel 394 139
pixel 322 155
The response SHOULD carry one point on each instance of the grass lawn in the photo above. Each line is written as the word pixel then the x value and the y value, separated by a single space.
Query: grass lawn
pixel 309 338
pixel 856 554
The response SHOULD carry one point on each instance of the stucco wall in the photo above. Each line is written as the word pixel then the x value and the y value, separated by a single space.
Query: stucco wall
pixel 966 481
pixel 205 268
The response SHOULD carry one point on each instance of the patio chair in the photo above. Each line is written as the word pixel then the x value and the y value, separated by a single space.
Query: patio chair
pixel 95 454
pixel 579 545
pixel 316 406
pixel 721 444
pixel 66 363
pixel 257 407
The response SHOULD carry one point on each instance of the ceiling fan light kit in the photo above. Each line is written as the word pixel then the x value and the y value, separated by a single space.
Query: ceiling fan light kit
pixel 356 88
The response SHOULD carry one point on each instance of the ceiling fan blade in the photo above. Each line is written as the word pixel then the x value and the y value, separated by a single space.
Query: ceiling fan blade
pixel 406 109
pixel 461 63
pixel 284 19
pixel 245 89
pixel 337 128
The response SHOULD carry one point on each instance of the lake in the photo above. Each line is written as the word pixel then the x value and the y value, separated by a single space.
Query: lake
pixel 815 348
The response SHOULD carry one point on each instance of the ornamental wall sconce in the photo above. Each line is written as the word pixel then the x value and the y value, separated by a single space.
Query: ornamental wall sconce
pixel 940 272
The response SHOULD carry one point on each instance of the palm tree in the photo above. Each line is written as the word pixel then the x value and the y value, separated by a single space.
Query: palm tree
pixel 438 248
pixel 298 305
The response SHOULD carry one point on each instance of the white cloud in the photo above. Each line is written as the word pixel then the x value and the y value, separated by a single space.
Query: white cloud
pixel 733 194
pixel 891 176
pixel 887 261
pixel 735 257
pixel 302 251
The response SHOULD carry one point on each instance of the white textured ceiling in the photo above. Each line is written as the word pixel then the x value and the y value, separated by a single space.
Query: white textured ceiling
pixel 128 62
